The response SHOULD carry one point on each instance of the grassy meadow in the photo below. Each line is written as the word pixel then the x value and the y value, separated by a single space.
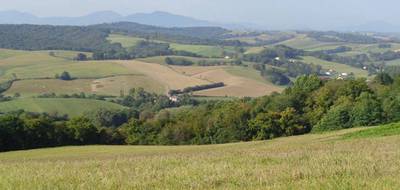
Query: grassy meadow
pixel 334 160
pixel 70 106
pixel 103 86
pixel 36 71
pixel 161 59
pixel 203 50
pixel 39 64
pixel 341 68
pixel 307 43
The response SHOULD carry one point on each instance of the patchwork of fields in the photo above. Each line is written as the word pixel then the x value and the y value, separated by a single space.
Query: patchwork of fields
pixel 363 158
pixel 35 72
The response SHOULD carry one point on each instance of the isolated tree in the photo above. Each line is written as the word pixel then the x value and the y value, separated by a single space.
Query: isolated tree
pixel 65 76
pixel 81 57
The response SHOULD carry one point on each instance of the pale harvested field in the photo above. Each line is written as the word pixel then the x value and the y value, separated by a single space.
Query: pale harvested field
pixel 104 86
pixel 163 74
pixel 323 161
pixel 114 85
pixel 235 85
pixel 195 70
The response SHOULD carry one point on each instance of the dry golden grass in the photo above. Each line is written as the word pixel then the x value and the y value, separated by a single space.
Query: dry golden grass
pixel 104 86
pixel 195 70
pixel 114 85
pixel 319 161
pixel 235 85
pixel 241 82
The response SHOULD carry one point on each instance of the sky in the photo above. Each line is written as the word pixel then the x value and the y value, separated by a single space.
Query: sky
pixel 316 14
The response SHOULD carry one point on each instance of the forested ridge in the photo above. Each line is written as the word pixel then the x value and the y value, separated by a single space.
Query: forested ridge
pixel 45 37
pixel 309 105
pixel 93 38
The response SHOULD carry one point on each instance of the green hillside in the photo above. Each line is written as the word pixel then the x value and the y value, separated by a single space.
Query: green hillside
pixel 40 64
pixel 317 161
pixel 341 68
pixel 203 50
pixel 70 106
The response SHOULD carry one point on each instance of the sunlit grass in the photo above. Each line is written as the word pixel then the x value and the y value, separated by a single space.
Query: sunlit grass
pixel 318 161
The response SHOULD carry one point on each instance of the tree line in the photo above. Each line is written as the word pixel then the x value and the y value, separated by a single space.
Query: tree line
pixel 181 61
pixel 196 88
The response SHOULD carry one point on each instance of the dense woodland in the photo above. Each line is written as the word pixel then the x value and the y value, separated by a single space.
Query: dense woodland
pixel 35 37
pixel 309 105
pixel 94 38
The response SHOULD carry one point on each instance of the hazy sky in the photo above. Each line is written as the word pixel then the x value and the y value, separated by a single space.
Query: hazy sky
pixel 277 13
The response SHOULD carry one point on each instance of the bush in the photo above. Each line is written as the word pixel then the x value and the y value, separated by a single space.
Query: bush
pixel 65 76
pixel 178 61
pixel 81 57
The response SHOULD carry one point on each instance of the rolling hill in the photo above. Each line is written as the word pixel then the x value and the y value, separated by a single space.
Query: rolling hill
pixel 361 158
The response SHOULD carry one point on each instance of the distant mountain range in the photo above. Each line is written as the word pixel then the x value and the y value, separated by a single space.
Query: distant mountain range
pixel 165 19
pixel 158 18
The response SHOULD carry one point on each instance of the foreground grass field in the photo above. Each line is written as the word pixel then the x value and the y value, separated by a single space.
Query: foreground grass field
pixel 336 160
pixel 70 106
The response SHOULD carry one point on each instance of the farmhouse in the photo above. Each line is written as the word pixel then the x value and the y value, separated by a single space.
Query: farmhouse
pixel 173 98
